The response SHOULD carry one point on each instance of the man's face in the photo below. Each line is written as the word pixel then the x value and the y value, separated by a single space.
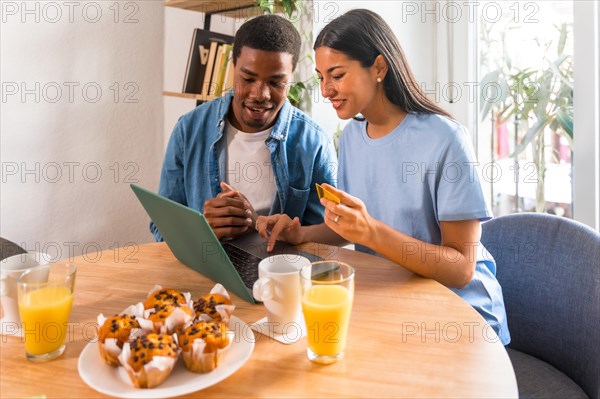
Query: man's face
pixel 261 83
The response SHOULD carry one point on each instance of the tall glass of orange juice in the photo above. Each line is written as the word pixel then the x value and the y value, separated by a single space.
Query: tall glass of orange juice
pixel 327 294
pixel 45 296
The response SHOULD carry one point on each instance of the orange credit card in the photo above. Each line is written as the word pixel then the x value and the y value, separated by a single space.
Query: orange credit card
pixel 323 193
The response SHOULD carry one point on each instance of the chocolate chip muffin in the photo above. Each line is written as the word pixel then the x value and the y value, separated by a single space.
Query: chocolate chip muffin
pixel 171 318
pixel 162 297
pixel 150 359
pixel 217 307
pixel 113 333
pixel 202 344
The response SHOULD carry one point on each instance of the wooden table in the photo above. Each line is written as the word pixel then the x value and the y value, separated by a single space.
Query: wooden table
pixel 409 336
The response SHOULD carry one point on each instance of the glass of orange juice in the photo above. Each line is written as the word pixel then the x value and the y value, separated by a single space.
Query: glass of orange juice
pixel 45 296
pixel 327 294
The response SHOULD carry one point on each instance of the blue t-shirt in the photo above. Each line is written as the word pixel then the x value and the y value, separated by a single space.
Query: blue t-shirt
pixel 422 173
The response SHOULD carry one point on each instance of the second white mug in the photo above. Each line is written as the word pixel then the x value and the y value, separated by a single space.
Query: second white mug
pixel 10 270
pixel 278 287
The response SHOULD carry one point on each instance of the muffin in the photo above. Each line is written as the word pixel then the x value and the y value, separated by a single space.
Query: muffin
pixel 168 319
pixel 164 296
pixel 216 306
pixel 202 344
pixel 150 359
pixel 115 331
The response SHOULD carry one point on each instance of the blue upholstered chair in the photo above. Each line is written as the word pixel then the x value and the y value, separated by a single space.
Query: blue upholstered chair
pixel 549 270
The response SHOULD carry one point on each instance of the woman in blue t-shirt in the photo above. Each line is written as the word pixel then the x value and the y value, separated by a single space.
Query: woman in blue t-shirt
pixel 407 177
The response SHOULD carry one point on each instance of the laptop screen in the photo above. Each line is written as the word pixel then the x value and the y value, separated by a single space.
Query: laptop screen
pixel 192 241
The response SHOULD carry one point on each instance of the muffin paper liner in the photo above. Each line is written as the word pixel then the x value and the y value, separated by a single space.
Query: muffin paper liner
pixel 110 349
pixel 224 310
pixel 151 374
pixel 201 358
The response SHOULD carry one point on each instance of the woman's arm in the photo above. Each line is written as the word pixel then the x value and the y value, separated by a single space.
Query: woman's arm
pixel 452 263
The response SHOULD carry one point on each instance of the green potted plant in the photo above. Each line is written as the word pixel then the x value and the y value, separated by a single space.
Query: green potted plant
pixel 288 6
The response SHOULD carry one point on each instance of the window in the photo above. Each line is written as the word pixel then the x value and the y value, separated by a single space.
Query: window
pixel 526 106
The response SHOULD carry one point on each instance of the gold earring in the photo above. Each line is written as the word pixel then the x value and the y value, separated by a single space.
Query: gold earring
pixel 378 80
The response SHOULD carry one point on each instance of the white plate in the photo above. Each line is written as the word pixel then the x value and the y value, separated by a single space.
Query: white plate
pixel 108 380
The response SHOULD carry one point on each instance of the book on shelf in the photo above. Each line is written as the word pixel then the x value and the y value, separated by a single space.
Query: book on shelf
pixel 210 66
pixel 198 58
pixel 224 59
pixel 216 68
pixel 228 85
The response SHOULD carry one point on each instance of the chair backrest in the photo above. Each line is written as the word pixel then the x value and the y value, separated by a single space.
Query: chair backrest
pixel 549 270
pixel 9 248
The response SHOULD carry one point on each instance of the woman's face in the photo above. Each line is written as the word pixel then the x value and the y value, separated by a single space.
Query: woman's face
pixel 350 87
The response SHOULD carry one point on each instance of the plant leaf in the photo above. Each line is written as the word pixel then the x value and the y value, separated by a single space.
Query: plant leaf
pixel 504 89
pixel 288 7
pixel 562 38
pixel 566 121
pixel 567 77
pixel 296 92
pixel 486 103
pixel 532 132
pixel 569 139
pixel 294 96
pixel 264 5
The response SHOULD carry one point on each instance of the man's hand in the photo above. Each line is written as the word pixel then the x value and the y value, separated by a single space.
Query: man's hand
pixel 230 214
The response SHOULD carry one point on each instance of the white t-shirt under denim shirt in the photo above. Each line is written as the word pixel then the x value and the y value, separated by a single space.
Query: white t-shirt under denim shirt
pixel 422 173
pixel 249 167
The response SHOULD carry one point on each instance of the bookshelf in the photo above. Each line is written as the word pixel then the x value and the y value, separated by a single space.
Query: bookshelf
pixel 208 7
pixel 192 96
pixel 229 8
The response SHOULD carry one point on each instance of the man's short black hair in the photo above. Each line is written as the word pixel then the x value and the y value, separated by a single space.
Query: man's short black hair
pixel 268 33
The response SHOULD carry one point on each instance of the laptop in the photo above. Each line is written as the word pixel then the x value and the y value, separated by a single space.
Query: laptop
pixel 232 263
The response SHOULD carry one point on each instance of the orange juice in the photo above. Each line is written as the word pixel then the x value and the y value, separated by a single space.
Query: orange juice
pixel 44 314
pixel 326 311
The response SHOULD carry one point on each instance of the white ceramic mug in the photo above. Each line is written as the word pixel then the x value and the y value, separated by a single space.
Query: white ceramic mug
pixel 278 287
pixel 11 269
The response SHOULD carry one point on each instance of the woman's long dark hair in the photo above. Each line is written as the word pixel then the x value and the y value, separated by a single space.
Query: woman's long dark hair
pixel 362 35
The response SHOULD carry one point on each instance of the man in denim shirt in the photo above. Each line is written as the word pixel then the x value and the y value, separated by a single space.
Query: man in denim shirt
pixel 251 152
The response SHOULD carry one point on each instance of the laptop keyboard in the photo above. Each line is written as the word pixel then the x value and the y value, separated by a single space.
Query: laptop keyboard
pixel 245 263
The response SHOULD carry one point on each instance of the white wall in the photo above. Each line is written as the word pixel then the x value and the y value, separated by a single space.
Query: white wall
pixel 586 142
pixel 68 156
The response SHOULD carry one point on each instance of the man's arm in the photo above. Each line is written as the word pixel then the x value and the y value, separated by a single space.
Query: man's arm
pixel 171 176
pixel 324 171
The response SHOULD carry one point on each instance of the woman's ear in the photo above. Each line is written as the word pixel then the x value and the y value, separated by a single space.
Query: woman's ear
pixel 380 67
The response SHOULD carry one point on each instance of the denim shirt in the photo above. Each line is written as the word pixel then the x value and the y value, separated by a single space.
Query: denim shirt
pixel 196 160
